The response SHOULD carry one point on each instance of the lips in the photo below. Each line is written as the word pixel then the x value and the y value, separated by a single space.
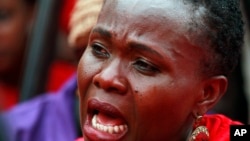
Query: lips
pixel 104 122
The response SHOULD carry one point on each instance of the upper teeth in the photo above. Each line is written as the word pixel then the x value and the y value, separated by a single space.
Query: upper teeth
pixel 108 128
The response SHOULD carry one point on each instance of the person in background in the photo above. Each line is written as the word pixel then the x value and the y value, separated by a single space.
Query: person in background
pixel 16 20
pixel 54 115
pixel 63 66
pixel 152 70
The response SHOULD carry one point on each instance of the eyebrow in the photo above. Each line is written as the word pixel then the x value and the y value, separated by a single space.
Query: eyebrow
pixel 132 45
pixel 138 46
pixel 102 32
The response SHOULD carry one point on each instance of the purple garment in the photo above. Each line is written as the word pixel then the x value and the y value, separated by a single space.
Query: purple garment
pixel 49 117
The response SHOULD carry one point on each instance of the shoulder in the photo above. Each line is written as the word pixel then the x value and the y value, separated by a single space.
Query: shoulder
pixel 30 106
pixel 219 126
pixel 36 116
pixel 22 118
pixel 43 103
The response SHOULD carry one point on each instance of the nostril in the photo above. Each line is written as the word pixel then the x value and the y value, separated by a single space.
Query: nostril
pixel 97 84
pixel 113 89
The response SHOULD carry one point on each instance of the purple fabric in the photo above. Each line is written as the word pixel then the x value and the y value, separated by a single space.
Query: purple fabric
pixel 49 117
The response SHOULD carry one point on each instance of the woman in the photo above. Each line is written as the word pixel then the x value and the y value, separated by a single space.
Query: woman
pixel 16 19
pixel 152 69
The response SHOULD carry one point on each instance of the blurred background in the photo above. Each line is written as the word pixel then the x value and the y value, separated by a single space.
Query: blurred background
pixel 34 53
pixel 35 57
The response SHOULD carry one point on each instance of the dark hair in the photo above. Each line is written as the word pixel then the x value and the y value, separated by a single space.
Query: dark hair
pixel 221 27
pixel 31 2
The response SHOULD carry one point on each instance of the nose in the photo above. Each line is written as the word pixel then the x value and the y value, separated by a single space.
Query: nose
pixel 111 79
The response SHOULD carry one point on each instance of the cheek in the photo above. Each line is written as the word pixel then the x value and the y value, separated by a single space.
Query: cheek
pixel 165 95
pixel 87 68
pixel 163 107
pixel 158 101
pixel 9 36
pixel 12 45
pixel 13 34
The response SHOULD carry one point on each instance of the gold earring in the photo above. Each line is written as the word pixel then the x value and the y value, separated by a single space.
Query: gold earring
pixel 200 132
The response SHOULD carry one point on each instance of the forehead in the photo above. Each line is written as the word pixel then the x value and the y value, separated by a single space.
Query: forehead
pixel 169 8
pixel 174 13
pixel 163 20
pixel 140 17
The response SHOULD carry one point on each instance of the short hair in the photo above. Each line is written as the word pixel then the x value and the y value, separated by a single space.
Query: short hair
pixel 221 27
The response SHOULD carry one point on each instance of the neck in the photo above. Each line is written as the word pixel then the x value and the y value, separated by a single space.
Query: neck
pixel 188 131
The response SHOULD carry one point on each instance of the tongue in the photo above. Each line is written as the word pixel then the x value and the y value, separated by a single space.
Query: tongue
pixel 108 120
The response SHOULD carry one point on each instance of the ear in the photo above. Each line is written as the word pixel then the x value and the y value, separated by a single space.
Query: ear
pixel 212 90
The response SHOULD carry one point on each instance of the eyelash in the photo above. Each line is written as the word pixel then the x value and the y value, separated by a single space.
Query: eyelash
pixel 145 67
pixel 99 51
pixel 141 65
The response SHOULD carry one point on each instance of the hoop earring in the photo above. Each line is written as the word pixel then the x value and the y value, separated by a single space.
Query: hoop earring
pixel 200 132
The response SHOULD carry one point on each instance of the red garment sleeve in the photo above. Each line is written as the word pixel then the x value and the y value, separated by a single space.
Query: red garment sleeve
pixel 219 127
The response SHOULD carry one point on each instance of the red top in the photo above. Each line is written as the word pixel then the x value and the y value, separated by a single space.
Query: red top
pixel 218 127
pixel 65 14
pixel 8 96
pixel 59 73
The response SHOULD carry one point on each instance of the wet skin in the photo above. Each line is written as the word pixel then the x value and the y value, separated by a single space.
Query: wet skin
pixel 141 70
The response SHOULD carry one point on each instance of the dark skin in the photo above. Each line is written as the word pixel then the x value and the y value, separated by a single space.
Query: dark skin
pixel 137 73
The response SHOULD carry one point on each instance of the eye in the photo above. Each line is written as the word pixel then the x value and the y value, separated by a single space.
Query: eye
pixel 145 67
pixel 99 51
pixel 4 15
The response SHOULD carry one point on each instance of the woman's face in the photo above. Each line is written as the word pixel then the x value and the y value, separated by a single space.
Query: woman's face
pixel 14 21
pixel 138 78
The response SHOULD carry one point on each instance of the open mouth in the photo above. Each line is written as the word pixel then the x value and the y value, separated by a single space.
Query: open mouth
pixel 107 124
pixel 104 122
